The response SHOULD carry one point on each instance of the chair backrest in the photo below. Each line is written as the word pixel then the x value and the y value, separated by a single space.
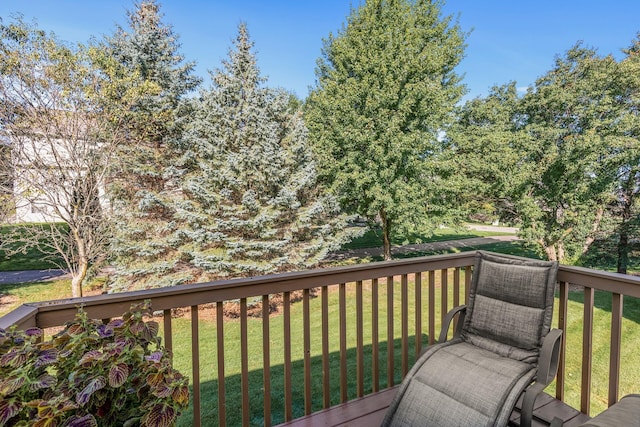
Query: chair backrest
pixel 510 305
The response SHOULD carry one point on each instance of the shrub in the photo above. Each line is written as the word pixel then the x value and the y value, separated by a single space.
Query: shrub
pixel 90 374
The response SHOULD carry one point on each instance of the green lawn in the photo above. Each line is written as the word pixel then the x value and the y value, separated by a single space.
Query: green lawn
pixel 13 295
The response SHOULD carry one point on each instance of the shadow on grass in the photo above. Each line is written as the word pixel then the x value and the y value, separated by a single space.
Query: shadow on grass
pixel 603 255
pixel 209 389
pixel 25 258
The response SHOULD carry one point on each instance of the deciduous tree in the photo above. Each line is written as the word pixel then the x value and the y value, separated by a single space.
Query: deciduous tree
pixel 385 92
pixel 571 114
pixel 625 206
pixel 488 147
pixel 58 161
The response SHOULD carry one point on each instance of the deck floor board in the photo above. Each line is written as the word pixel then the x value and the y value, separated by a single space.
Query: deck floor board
pixel 369 411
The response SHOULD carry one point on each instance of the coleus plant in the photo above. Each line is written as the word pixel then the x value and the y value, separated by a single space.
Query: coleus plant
pixel 90 374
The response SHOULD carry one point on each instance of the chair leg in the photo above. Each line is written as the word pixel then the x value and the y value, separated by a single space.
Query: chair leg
pixel 556 422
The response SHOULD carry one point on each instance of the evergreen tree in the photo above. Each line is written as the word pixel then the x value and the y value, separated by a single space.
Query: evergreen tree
pixel 385 93
pixel 252 204
pixel 148 80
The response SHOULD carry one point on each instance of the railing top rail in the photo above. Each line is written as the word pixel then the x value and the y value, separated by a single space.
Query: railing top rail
pixel 55 313
pixel 617 283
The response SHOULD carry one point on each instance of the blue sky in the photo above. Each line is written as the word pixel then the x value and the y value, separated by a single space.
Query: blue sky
pixel 509 40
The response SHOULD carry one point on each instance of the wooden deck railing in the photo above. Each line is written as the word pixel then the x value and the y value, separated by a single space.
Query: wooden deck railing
pixel 340 333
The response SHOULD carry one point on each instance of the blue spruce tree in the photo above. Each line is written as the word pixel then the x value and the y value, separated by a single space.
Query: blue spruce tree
pixel 252 203
pixel 150 78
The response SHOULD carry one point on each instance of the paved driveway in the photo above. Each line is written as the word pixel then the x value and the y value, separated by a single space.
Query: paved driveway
pixel 30 276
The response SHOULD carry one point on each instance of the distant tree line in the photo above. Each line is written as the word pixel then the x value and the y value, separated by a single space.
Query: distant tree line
pixel 174 183
pixel 563 160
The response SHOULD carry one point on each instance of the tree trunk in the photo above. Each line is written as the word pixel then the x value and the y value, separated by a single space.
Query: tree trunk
pixel 83 266
pixel 550 250
pixel 623 249
pixel 78 278
pixel 623 242
pixel 594 229
pixel 386 235
pixel 561 253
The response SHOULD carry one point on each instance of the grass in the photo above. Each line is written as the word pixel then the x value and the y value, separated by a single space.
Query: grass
pixel 13 295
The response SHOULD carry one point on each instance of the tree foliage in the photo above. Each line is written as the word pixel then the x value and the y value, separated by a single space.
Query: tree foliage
pixel 147 80
pixel 625 207
pixel 569 117
pixel 385 91
pixel 250 201
pixel 55 160
pixel 488 146
pixel 559 159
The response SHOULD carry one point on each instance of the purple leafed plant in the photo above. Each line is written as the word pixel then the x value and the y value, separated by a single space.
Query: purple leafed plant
pixel 90 374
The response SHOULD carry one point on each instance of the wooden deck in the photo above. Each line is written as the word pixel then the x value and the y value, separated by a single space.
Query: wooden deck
pixel 369 411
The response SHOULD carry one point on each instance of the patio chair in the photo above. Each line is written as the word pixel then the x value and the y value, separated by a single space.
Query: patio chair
pixel 502 345
pixel 624 413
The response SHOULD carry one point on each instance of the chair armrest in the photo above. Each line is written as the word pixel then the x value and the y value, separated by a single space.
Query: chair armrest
pixel 462 311
pixel 547 370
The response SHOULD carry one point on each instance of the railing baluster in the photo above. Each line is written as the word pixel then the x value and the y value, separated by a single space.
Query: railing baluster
pixel 563 301
pixel 456 293
pixel 390 335
pixel 456 287
pixel 222 398
pixel 287 356
pixel 587 344
pixel 432 307
pixel 168 333
pixel 418 294
pixel 195 365
pixel 343 342
pixel 404 292
pixel 467 283
pixel 616 339
pixel 266 361
pixel 244 362
pixel 306 324
pixel 375 346
pixel 326 384
pixel 444 300
pixel 359 341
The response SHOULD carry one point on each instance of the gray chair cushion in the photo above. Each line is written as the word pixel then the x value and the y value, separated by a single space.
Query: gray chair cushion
pixel 459 384
pixel 510 305
pixel 476 378
pixel 624 413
